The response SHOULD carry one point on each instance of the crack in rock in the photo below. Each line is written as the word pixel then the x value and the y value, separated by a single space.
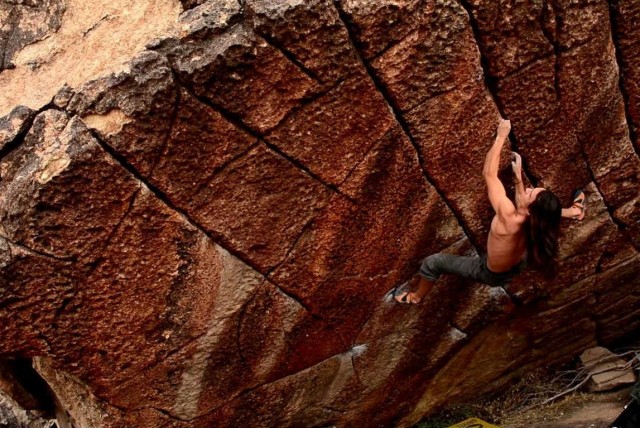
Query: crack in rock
pixel 395 111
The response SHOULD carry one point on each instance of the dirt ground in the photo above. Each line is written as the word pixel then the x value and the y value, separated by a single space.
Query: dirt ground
pixel 513 408
pixel 580 410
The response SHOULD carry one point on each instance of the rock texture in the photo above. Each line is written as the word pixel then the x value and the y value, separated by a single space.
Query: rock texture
pixel 206 235
pixel 45 44
pixel 26 22
pixel 606 370
pixel 14 416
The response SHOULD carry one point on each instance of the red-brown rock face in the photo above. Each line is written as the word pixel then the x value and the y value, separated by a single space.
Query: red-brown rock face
pixel 207 236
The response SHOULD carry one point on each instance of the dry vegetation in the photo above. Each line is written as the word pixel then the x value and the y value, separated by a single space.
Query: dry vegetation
pixel 538 398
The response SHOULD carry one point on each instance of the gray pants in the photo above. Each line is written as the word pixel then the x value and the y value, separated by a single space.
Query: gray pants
pixel 474 267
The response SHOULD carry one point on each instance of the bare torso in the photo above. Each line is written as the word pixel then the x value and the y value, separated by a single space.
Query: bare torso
pixel 506 244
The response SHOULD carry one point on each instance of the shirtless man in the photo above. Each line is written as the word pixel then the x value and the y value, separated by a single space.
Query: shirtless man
pixel 526 232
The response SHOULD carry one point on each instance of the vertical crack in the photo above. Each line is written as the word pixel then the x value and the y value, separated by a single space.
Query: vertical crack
pixel 491 84
pixel 115 229
pixel 241 314
pixel 355 371
pixel 620 62
pixel 554 43
pixel 293 296
pixel 398 116
pixel 621 226
pixel 34 325
pixel 98 259
pixel 293 246
pixel 490 81
pixel 311 312
pixel 167 138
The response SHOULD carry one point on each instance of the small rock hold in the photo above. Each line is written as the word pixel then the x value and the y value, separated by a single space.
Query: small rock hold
pixel 64 95
pixel 14 124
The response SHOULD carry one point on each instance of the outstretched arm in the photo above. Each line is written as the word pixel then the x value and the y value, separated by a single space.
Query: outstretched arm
pixel 501 204
pixel 572 212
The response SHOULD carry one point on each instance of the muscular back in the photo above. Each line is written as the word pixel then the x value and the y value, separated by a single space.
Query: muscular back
pixel 506 243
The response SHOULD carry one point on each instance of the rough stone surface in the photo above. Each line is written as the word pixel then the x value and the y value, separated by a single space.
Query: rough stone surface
pixel 240 203
pixel 569 58
pixel 377 26
pixel 207 234
pixel 190 4
pixel 14 416
pixel 15 124
pixel 625 17
pixel 359 117
pixel 318 42
pixel 241 73
pixel 106 106
pixel 26 22
pixel 607 370
pixel 92 39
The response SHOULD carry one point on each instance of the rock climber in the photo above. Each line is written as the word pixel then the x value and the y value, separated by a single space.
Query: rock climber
pixel 520 234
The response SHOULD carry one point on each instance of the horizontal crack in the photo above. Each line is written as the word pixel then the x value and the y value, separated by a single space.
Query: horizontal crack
pixel 456 327
pixel 309 99
pixel 524 66
pixel 302 167
pixel 94 26
pixel 348 353
pixel 236 121
pixel 38 252
pixel 220 168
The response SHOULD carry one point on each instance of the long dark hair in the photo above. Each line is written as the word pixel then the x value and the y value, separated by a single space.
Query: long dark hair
pixel 543 226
